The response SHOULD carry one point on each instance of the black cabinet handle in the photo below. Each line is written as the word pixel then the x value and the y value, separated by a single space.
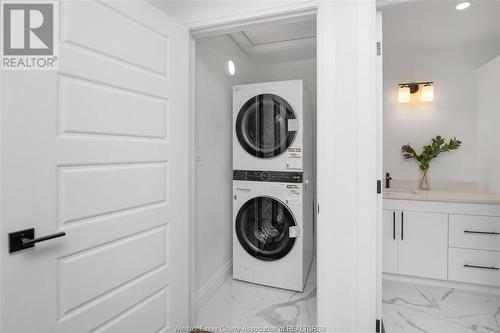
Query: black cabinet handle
pixel 482 267
pixel 481 232
pixel 394 225
pixel 402 224
pixel 24 239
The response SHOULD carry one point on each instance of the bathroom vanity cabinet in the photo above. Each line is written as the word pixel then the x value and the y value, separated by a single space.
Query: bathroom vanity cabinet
pixel 415 243
pixel 454 241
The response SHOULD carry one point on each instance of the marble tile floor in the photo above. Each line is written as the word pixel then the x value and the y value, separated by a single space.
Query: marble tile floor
pixel 238 304
pixel 428 309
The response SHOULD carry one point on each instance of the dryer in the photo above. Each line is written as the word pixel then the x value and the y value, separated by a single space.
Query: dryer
pixel 272 228
pixel 272 126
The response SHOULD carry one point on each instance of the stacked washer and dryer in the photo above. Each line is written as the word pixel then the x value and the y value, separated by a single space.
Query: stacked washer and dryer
pixel 273 195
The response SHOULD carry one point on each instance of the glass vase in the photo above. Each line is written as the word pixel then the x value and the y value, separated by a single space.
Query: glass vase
pixel 424 180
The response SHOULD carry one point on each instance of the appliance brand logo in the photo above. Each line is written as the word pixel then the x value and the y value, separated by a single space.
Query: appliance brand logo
pixel 29 36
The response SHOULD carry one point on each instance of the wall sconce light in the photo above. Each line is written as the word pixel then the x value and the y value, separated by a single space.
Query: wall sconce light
pixel 404 94
pixel 427 94
pixel 407 89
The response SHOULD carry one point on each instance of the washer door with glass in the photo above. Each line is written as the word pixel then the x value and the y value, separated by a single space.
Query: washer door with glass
pixel 262 228
pixel 266 126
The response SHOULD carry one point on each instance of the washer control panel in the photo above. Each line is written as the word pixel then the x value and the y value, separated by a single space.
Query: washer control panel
pixel 268 176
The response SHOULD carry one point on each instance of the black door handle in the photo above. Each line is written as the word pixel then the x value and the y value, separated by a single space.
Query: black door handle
pixel 24 239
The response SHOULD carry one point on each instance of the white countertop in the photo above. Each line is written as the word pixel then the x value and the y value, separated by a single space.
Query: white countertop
pixel 443 196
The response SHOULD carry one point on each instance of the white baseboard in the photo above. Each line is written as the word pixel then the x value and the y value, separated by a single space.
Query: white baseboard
pixel 442 283
pixel 215 282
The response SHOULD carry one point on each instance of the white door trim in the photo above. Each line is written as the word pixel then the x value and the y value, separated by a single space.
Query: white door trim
pixel 3 244
pixel 192 184
pixel 380 161
pixel 346 225
pixel 228 24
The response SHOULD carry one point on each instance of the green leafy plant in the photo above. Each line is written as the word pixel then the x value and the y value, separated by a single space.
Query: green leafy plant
pixel 429 152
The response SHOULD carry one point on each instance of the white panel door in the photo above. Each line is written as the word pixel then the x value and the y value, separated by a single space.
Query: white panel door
pixel 390 229
pixel 99 150
pixel 423 245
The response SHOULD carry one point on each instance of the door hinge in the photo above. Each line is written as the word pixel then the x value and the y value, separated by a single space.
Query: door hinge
pixel 318 208
pixel 379 186
pixel 379 48
pixel 379 326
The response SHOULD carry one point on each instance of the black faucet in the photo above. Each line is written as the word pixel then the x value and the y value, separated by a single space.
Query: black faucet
pixel 388 179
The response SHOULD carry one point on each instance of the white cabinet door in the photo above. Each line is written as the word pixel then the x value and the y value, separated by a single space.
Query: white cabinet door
pixel 98 150
pixel 423 244
pixel 474 266
pixel 390 241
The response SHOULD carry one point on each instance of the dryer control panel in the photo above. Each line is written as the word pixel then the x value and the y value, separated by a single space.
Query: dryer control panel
pixel 268 176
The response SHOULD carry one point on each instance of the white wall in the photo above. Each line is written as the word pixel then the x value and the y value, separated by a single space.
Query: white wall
pixel 346 172
pixel 452 113
pixel 303 69
pixel 214 140
pixel 488 125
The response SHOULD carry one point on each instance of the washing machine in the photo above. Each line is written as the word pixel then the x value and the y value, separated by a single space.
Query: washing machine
pixel 272 126
pixel 272 228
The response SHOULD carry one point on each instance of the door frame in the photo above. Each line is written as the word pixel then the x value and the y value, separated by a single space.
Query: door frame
pixel 380 160
pixel 207 29
pixel 346 250
pixel 3 242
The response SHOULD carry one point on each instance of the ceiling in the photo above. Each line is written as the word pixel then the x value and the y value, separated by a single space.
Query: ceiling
pixel 284 41
pixel 431 23
pixel 281 32
pixel 274 41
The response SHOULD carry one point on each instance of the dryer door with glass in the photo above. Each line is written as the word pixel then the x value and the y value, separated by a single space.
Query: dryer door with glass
pixel 263 228
pixel 266 126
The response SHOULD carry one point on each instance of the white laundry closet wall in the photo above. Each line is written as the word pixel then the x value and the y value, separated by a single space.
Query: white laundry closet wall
pixel 292 70
pixel 214 155
pixel 214 141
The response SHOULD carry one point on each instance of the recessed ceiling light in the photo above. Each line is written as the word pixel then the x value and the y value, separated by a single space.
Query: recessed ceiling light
pixel 463 5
